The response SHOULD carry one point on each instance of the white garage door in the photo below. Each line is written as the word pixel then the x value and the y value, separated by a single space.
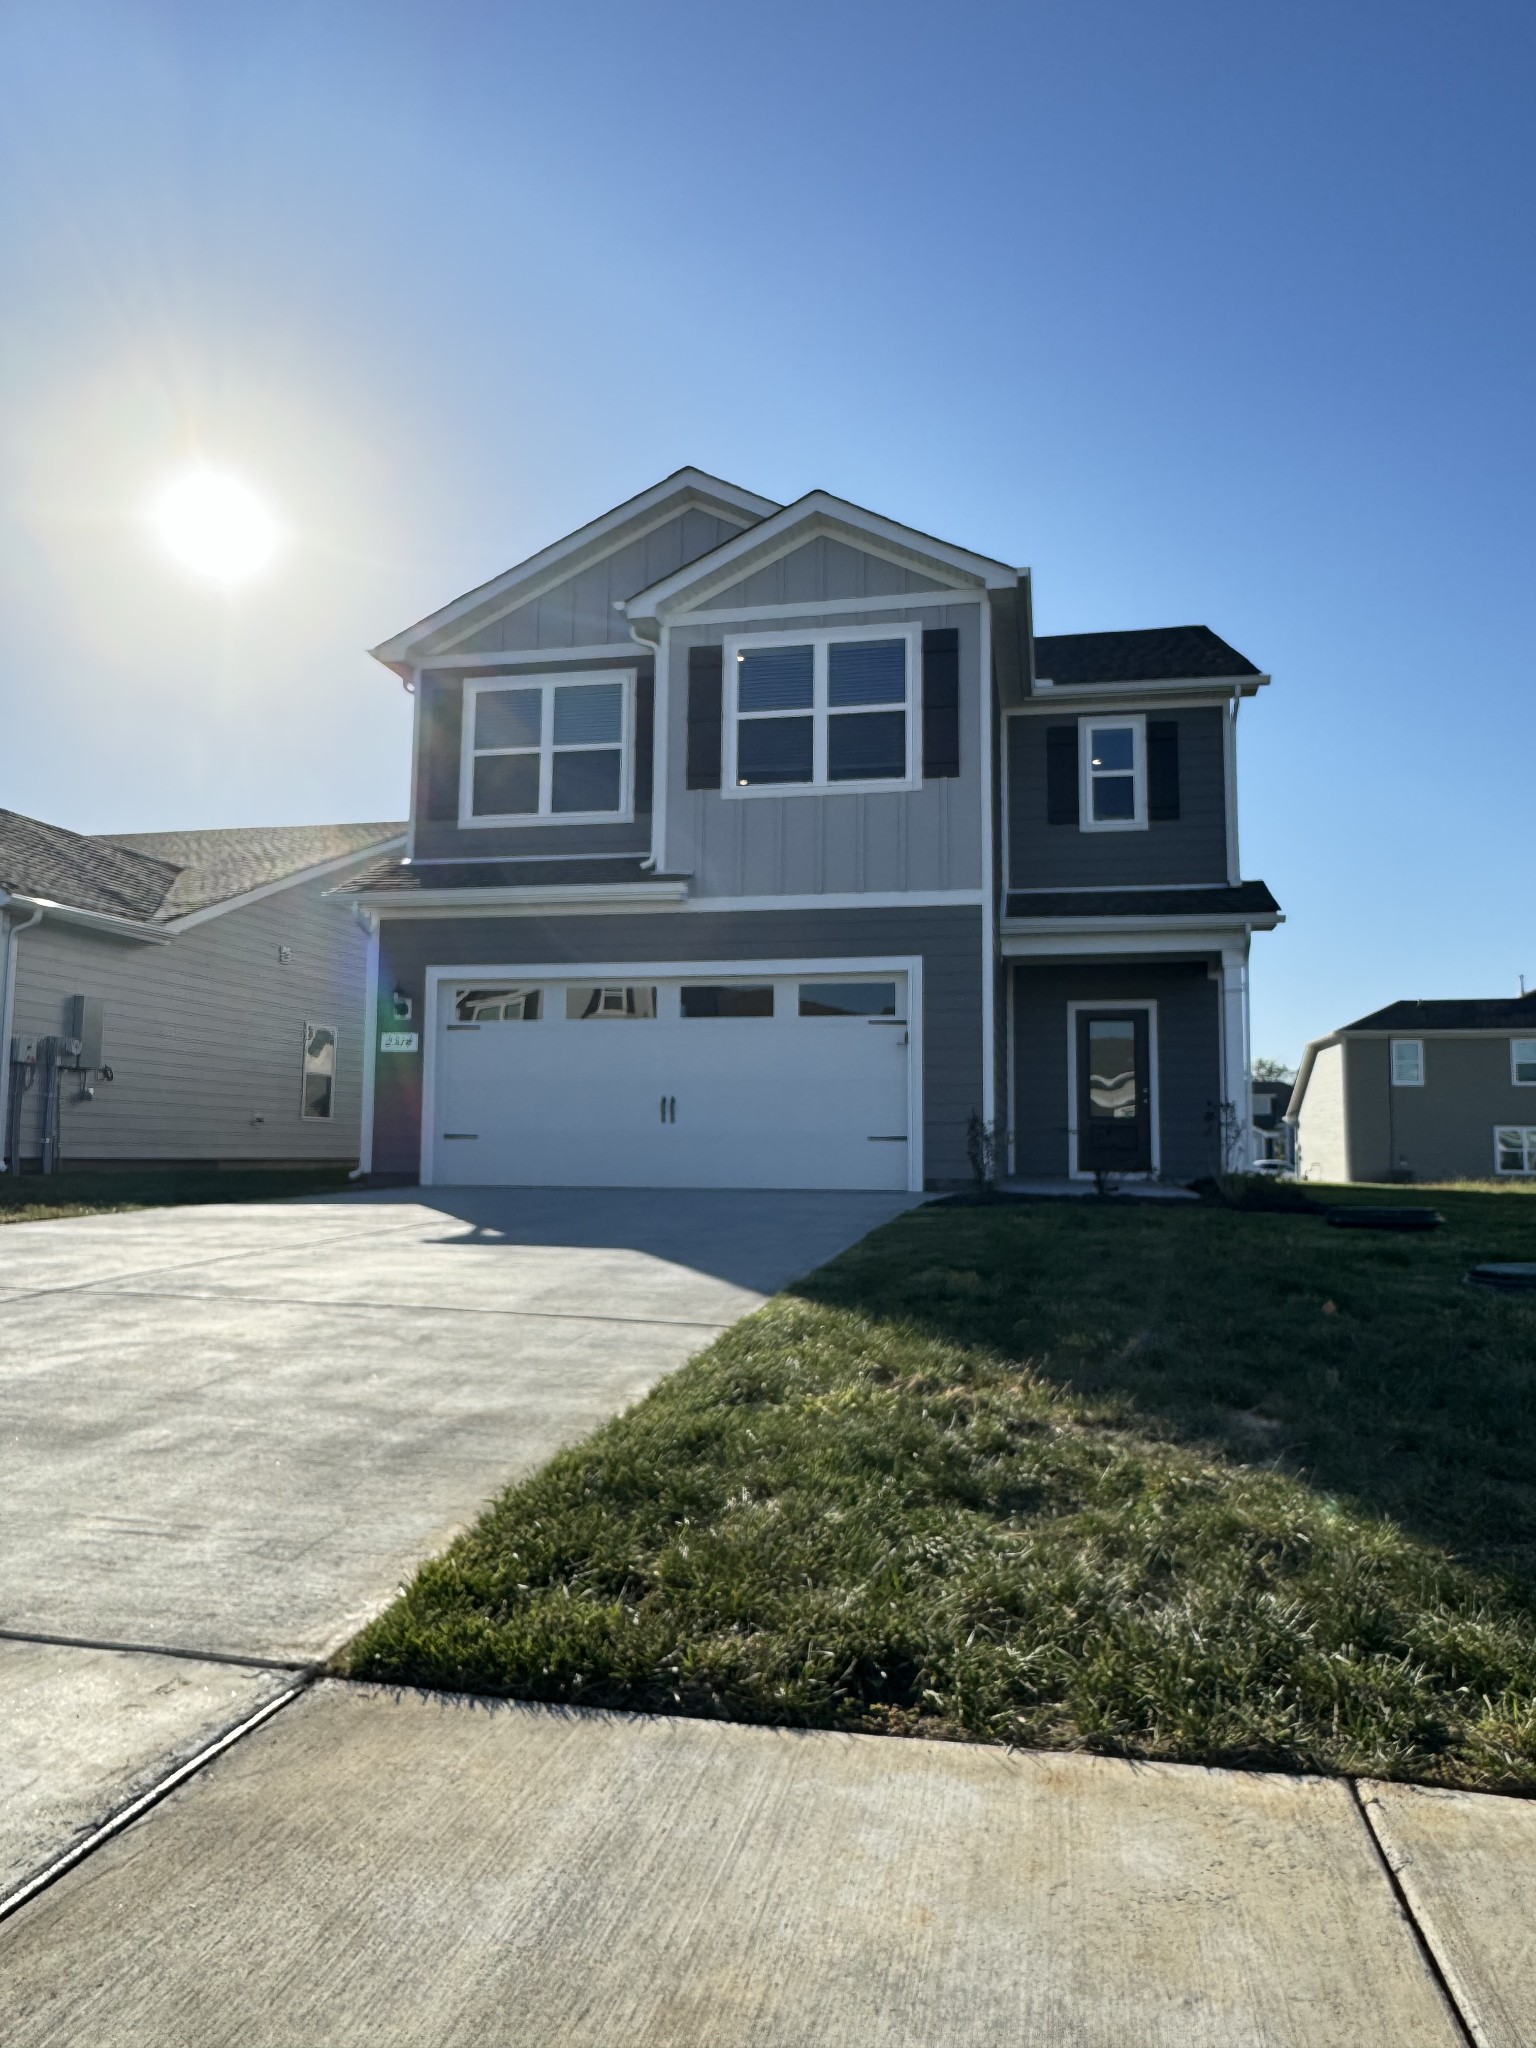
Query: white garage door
pixel 767 1081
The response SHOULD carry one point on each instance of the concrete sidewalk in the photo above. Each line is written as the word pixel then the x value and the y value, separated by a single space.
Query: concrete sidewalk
pixel 375 1869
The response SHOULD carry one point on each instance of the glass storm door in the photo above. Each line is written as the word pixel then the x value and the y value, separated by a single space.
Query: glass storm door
pixel 1114 1093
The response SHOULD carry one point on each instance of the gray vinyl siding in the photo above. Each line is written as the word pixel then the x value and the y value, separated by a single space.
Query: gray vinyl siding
pixel 823 568
pixel 435 805
pixel 580 612
pixel 927 838
pixel 1188 1059
pixel 1442 1131
pixel 205 1033
pixel 1190 848
pixel 948 940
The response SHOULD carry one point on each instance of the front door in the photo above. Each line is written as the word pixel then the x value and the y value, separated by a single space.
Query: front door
pixel 1114 1092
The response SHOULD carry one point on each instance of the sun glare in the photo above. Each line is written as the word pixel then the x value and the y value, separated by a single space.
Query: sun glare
pixel 216 526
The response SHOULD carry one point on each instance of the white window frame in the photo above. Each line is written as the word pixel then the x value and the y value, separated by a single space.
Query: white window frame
pixel 306 1114
pixel 1400 1080
pixel 1516 1062
pixel 1086 725
pixel 548 681
pixel 819 639
pixel 1528 1138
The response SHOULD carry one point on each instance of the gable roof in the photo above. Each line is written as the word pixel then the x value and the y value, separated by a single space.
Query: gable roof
pixel 563 558
pixel 155 879
pixel 789 527
pixel 1472 1013
pixel 1148 654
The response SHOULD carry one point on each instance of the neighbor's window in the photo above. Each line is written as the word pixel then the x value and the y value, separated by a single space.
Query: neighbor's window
pixel 1514 1149
pixel 847 998
pixel 499 1005
pixel 547 747
pixel 584 1001
pixel 817 710
pixel 319 1089
pixel 1407 1063
pixel 1522 1062
pixel 729 999
pixel 1113 752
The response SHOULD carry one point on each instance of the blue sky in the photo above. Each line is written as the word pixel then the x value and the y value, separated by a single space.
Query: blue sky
pixel 1211 313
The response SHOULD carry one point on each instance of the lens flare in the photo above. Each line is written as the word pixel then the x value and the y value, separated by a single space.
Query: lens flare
pixel 216 526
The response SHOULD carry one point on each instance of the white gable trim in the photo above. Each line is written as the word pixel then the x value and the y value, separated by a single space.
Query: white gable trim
pixel 527 580
pixel 810 517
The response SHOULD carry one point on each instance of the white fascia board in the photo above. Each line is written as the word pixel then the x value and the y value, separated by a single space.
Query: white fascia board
pixel 818 510
pixel 523 582
pixel 94 920
pixel 1062 935
pixel 1104 696
pixel 315 873
pixel 557 896
pixel 1292 1114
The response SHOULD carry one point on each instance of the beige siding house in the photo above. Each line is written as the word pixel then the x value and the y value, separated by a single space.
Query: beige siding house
pixel 181 997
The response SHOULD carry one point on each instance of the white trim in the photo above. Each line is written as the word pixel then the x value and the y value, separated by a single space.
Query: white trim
pixel 512 860
pixel 911 965
pixel 1205 686
pixel 1309 1055
pixel 1011 1078
pixel 820 712
pixel 95 920
pixel 661 731
pixel 620 651
pixel 556 562
pixel 370 1047
pixel 414 686
pixel 833 607
pixel 872 899
pixel 1063 938
pixel 547 683
pixel 1154 1110
pixel 1236 1053
pixel 571 896
pixel 1136 722
pixel 1514 1078
pixel 1229 778
pixel 988 879
pixel 296 880
pixel 819 511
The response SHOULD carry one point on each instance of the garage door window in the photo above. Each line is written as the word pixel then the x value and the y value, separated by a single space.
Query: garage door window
pixel 547 747
pixel 499 1005
pixel 848 999
pixel 617 1004
pixel 728 1000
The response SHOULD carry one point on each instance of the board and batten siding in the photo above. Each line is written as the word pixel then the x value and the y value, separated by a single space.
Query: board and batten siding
pixel 912 839
pixel 204 1034
pixel 823 568
pixel 1189 848
pixel 1322 1130
pixel 948 941
pixel 1188 1059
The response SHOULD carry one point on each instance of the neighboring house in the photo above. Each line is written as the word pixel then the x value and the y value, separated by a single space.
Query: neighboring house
pixel 765 846
pixel 181 996
pixel 1421 1091
pixel 1273 1138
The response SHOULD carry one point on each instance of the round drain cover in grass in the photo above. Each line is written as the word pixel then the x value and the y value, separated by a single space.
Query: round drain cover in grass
pixel 1385 1219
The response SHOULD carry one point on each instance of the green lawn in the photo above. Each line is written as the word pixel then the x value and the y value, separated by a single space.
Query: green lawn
pixel 36 1198
pixel 1158 1480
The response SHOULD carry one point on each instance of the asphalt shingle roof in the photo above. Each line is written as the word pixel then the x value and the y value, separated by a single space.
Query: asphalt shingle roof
pixel 1243 898
pixel 1148 655
pixel 1474 1013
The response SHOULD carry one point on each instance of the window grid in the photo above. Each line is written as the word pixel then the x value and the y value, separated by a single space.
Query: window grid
pixel 821 711
pixel 1514 1148
pixel 1103 746
pixel 555 695
pixel 1407 1063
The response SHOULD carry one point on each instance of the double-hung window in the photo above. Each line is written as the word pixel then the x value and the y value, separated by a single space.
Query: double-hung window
pixel 1113 753
pixel 1522 1062
pixel 1407 1063
pixel 833 709
pixel 548 749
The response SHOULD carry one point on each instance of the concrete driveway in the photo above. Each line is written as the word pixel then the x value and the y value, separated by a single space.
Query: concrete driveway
pixel 228 1434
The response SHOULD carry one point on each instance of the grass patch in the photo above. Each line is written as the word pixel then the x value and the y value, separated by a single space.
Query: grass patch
pixel 1157 1480
pixel 42 1198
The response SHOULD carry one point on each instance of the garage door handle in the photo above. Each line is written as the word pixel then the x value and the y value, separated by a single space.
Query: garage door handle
pixel 669 1109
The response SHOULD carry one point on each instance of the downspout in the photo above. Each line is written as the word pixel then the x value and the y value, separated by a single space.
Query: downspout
pixel 7 1019
pixel 988 876
pixel 660 698
pixel 370 924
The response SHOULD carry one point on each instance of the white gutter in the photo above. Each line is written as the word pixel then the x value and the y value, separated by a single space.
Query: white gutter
pixel 660 706
pixel 1304 1074
pixel 370 925
pixel 554 897
pixel 95 920
pixel 8 1017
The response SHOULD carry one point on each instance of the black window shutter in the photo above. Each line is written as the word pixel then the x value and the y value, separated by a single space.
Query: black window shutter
pixel 941 702
pixel 1162 770
pixel 1061 775
pixel 706 668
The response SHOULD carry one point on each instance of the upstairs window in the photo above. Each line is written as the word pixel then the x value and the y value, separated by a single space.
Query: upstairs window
pixel 1113 754
pixel 1407 1063
pixel 548 748
pixel 1522 1062
pixel 821 710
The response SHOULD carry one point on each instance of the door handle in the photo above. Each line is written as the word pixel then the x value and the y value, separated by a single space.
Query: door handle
pixel 663 1109
pixel 669 1109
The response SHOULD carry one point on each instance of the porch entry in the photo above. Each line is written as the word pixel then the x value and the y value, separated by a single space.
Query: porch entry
pixel 1114 1092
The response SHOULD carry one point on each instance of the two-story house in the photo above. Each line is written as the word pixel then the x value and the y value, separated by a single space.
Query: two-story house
pixel 766 846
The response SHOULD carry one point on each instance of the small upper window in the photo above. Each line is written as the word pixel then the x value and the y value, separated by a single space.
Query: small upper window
pixel 555 747
pixel 1522 1062
pixel 1407 1063
pixel 585 1001
pixel 821 709
pixel 1113 752
pixel 318 1097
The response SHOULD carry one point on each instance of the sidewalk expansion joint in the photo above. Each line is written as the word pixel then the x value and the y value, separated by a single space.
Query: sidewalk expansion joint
pixel 249 1663
pixel 1426 1951
pixel 426 1308
pixel 125 1816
